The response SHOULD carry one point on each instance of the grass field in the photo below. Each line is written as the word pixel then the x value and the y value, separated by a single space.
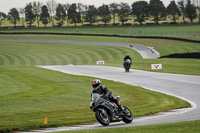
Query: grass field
pixel 32 53
pixel 164 46
pixel 190 32
pixel 29 94
pixel 182 127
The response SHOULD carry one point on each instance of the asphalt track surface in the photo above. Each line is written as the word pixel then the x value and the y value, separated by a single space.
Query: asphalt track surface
pixel 186 87
pixel 144 51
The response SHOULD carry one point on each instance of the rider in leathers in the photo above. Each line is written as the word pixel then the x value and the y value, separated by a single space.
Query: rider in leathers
pixel 127 57
pixel 103 90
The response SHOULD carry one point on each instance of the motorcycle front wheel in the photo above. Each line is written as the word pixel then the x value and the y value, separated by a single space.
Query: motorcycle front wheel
pixel 127 68
pixel 102 117
pixel 128 117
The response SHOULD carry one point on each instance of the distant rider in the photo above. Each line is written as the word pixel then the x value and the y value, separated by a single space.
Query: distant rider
pixel 127 57
pixel 103 90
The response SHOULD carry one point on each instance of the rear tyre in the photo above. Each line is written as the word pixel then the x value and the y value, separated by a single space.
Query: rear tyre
pixel 128 117
pixel 102 117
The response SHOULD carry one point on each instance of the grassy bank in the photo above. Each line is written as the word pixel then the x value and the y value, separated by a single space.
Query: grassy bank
pixel 29 94
pixel 163 46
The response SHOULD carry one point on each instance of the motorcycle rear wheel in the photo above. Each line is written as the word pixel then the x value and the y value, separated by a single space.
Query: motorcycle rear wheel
pixel 102 117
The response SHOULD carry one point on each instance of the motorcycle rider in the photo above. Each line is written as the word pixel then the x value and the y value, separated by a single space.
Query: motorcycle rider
pixel 103 90
pixel 127 57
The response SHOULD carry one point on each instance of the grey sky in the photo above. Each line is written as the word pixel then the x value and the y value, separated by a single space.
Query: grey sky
pixel 6 5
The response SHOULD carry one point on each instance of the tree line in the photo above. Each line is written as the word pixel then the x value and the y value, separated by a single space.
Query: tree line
pixel 79 13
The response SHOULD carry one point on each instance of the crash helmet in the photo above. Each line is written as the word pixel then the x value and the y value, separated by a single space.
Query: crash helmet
pixel 96 83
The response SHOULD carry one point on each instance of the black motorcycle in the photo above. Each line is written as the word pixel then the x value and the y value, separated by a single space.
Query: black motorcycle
pixel 107 111
pixel 127 65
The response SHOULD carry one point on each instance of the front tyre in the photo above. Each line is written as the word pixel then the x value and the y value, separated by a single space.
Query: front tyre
pixel 127 67
pixel 102 117
pixel 128 117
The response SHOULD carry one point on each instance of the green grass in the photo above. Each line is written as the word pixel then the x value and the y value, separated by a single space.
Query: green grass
pixel 181 127
pixel 190 32
pixel 31 53
pixel 165 47
pixel 29 94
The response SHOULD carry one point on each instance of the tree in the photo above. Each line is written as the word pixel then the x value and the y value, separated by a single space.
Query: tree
pixel 114 9
pixel 73 15
pixel 2 17
pixel 85 9
pixel 30 16
pixel 81 7
pixel 198 13
pixel 52 5
pixel 181 6
pixel 157 10
pixel 91 14
pixel 60 14
pixel 66 7
pixel 173 10
pixel 13 16
pixel 104 13
pixel 22 13
pixel 190 11
pixel 44 16
pixel 124 12
pixel 140 10
pixel 37 10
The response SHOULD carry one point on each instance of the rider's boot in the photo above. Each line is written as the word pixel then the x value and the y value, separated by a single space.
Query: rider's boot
pixel 120 107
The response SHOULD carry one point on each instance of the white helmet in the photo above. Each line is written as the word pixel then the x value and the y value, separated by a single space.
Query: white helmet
pixel 96 83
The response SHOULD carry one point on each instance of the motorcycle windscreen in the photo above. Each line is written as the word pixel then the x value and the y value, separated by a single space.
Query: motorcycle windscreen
pixel 95 96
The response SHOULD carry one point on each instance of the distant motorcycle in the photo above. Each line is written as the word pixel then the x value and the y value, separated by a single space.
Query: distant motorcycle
pixel 127 65
pixel 107 111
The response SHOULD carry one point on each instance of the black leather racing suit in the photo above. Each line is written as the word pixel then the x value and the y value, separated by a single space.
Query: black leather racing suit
pixel 102 90
pixel 127 57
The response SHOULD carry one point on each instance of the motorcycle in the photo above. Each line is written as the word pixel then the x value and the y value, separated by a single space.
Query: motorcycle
pixel 127 65
pixel 107 111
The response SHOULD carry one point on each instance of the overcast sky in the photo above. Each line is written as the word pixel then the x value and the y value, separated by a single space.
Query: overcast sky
pixel 6 5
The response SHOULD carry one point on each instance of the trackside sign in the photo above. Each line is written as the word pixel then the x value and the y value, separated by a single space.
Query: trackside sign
pixel 100 62
pixel 156 66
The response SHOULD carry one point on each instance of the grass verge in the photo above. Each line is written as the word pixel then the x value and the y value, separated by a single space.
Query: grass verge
pixel 181 127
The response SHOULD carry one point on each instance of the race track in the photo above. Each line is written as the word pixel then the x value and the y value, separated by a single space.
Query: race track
pixel 186 87
pixel 144 51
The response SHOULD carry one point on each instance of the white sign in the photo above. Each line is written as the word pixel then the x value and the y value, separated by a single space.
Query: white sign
pixel 156 66
pixel 100 62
